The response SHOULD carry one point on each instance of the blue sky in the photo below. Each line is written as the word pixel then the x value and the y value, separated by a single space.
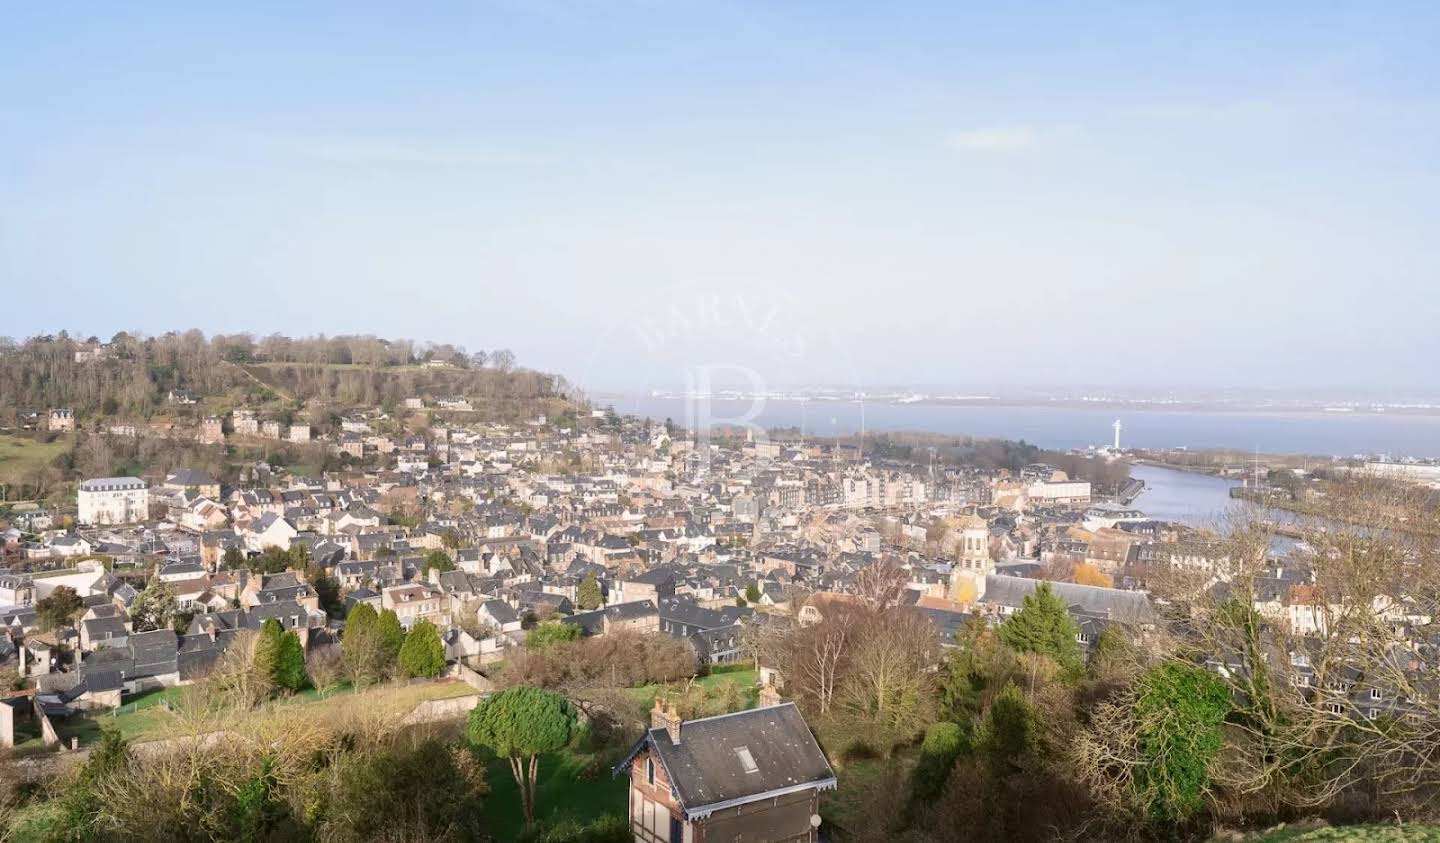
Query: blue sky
pixel 943 194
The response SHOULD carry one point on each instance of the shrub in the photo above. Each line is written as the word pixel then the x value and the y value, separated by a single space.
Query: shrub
pixel 944 742
pixel 607 829
pixel 550 633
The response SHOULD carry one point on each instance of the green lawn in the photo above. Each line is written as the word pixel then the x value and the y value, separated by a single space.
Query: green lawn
pixel 576 784
pixel 848 805
pixel 571 785
pixel 146 716
pixel 20 454
pixel 714 686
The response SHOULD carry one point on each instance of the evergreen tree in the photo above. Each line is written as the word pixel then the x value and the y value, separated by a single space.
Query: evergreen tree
pixel 965 674
pixel 362 618
pixel 520 725
pixel 290 666
pixel 233 559
pixel 326 589
pixel 1181 711
pixel 361 649
pixel 944 742
pixel 154 608
pixel 437 560
pixel 752 593
pixel 1008 734
pixel 267 650
pixel 392 636
pixel 422 654
pixel 1043 625
pixel 588 596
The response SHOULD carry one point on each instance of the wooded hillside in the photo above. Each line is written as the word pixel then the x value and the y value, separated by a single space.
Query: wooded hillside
pixel 132 376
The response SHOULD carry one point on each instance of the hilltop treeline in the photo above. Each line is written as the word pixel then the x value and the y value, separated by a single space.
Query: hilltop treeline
pixel 132 375
pixel 496 393
pixel 43 372
pixel 993 454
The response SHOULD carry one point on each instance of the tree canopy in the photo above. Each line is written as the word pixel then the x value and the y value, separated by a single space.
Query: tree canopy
pixel 392 636
pixel 59 608
pixel 589 596
pixel 154 608
pixel 422 654
pixel 551 632
pixel 438 560
pixel 1044 626
pixel 1180 710
pixel 520 724
pixel 290 663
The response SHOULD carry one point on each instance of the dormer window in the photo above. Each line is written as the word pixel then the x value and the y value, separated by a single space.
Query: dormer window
pixel 747 761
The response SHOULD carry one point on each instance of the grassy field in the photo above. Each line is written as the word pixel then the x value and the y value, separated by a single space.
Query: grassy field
pixel 572 785
pixel 847 807
pixel 575 784
pixel 714 687
pixel 147 716
pixel 19 455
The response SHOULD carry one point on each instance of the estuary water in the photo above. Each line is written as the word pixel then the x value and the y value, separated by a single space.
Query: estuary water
pixel 1183 497
pixel 1318 433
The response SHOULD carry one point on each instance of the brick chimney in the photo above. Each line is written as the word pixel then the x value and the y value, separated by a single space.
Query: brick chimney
pixel 664 716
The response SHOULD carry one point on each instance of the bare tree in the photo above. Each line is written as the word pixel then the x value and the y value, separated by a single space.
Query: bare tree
pixel 503 359
pixel 816 657
pixel 891 672
pixel 881 584
pixel 1329 666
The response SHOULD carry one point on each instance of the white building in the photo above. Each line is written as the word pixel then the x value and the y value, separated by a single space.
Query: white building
pixel 1105 514
pixel 1423 473
pixel 1068 492
pixel 113 500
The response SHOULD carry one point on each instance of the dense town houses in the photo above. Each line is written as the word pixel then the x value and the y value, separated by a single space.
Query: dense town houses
pixel 521 515
pixel 609 526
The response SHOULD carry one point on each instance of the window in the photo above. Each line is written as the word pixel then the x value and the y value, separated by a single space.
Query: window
pixel 649 771
pixel 677 830
pixel 1374 693
pixel 747 761
pixel 1335 708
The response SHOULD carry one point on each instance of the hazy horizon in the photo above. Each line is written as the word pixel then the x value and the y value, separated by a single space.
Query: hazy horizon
pixel 926 196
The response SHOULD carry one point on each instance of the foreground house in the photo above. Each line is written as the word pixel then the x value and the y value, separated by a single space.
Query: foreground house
pixel 753 775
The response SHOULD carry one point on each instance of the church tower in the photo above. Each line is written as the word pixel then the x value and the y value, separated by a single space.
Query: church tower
pixel 972 563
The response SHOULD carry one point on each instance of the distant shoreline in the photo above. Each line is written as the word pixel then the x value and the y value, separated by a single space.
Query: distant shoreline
pixel 1316 409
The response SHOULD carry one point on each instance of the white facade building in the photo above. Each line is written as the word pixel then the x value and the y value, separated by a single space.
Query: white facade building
pixel 113 500
pixel 1069 492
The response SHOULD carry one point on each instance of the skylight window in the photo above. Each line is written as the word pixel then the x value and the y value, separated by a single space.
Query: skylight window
pixel 747 761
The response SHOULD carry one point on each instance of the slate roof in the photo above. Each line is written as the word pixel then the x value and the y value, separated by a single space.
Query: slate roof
pixel 1125 606
pixel 684 611
pixel 705 769
pixel 103 629
pixel 500 611
pixel 153 652
pixel 188 477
